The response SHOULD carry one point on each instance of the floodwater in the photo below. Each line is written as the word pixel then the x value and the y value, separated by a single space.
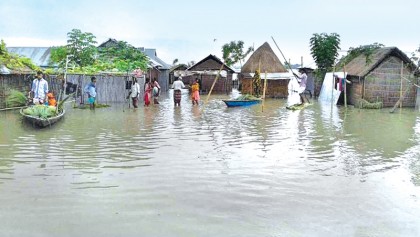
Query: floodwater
pixel 217 171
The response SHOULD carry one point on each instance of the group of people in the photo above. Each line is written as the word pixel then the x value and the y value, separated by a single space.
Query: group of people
pixel 151 89
pixel 195 91
pixel 41 95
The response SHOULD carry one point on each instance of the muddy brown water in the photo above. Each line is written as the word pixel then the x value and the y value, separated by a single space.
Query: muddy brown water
pixel 165 171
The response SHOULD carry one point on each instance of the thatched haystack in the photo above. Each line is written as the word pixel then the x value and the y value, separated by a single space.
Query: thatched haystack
pixel 265 60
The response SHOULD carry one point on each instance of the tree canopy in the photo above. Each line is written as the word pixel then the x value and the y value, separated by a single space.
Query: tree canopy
pixel 85 57
pixel 324 50
pixel 233 52
pixel 14 61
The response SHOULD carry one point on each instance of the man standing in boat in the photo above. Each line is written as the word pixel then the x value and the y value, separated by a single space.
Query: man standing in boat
pixel 39 89
pixel 302 79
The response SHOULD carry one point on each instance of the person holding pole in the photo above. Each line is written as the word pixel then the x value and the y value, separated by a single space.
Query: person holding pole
pixel 302 79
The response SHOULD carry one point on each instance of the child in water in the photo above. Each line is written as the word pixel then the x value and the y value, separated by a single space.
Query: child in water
pixel 51 99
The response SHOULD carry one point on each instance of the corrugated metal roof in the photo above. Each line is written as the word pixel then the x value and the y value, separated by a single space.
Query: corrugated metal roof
pixel 151 53
pixel 40 56
pixel 4 70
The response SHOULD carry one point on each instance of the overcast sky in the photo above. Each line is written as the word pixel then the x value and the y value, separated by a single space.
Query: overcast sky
pixel 191 30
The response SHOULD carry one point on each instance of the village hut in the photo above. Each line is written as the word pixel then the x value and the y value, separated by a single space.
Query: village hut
pixel 206 71
pixel 176 71
pixel 266 61
pixel 382 76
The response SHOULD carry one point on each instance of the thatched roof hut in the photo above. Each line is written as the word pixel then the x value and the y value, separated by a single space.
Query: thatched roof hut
pixel 378 77
pixel 265 60
pixel 362 65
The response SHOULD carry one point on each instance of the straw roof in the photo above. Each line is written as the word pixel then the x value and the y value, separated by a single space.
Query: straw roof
pixel 210 62
pixel 270 63
pixel 358 66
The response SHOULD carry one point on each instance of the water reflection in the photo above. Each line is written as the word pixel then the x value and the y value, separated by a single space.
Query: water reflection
pixel 212 170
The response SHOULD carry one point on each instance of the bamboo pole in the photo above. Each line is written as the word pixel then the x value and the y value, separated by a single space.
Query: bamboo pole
pixel 212 86
pixel 265 86
pixel 284 57
pixel 400 100
pixel 345 86
pixel 401 92
pixel 333 87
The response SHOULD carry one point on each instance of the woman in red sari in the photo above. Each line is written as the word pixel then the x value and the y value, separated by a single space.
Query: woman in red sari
pixel 147 92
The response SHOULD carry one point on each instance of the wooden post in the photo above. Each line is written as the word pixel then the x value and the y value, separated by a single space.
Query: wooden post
pixel 345 86
pixel 333 87
pixel 401 87
pixel 265 86
pixel 212 86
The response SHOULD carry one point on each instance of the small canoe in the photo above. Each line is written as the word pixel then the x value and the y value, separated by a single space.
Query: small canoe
pixel 297 106
pixel 42 122
pixel 236 103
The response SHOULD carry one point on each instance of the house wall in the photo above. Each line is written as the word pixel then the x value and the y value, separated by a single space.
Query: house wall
pixel 223 84
pixel 275 88
pixel 384 84
pixel 354 90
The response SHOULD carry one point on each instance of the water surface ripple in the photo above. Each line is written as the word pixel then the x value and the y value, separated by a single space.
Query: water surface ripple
pixel 212 171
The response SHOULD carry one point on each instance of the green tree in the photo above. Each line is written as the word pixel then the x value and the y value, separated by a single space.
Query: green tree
pixel 233 52
pixel 81 48
pixel 175 61
pixel 58 55
pixel 14 61
pixel 123 57
pixel 324 50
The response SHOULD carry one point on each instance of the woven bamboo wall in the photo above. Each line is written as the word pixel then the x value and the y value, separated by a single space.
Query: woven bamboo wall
pixel 275 88
pixel 110 88
pixel 23 83
pixel 384 84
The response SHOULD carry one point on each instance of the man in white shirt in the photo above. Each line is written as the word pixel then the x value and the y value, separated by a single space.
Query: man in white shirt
pixel 135 91
pixel 39 89
pixel 177 86
pixel 302 79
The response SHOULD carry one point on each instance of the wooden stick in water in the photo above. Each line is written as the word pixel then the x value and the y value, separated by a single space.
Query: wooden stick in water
pixel 345 86
pixel 212 86
pixel 265 86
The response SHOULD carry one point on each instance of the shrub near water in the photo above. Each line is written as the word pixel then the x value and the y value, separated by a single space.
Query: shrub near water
pixel 15 99
pixel 41 111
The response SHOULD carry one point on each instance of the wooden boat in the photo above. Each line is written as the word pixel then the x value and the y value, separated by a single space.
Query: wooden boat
pixel 42 122
pixel 236 103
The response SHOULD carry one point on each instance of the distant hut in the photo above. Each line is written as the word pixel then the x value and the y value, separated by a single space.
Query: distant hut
pixel 206 71
pixel 379 76
pixel 266 60
pixel 176 71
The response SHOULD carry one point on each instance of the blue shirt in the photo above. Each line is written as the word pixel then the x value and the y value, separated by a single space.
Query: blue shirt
pixel 91 89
